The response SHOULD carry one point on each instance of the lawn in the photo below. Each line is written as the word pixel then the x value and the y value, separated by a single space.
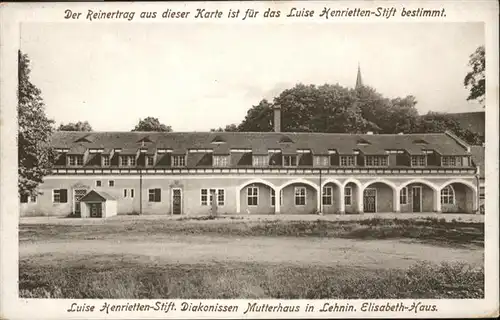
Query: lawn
pixel 231 258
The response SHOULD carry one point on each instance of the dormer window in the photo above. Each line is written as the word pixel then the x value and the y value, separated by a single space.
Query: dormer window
pixel 419 141
pixel 289 161
pixel 321 161
pixel 105 161
pixel 285 139
pixel 178 161
pixel 451 161
pixel 260 160
pixel 127 161
pixel 376 161
pixel 347 161
pixel 218 140
pixel 75 160
pixel 418 161
pixel 220 161
pixel 150 161
pixel 362 142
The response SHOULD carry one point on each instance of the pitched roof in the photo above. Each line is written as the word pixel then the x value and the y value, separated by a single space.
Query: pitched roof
pixel 93 195
pixel 180 142
pixel 477 153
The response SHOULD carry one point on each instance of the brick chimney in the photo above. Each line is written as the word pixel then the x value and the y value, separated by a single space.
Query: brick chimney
pixel 277 117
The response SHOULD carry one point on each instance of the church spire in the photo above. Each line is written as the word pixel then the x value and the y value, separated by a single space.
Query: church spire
pixel 359 81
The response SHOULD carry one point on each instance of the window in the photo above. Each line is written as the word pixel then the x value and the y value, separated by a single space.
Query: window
pixel 98 183
pixel 154 195
pixel 219 194
pixel 111 183
pixel 376 161
pixel 179 161
pixel 24 198
pixel 131 161
pixel 127 161
pixel 220 197
pixel 252 196
pixel 105 161
pixel 347 161
pixel 221 161
pixel 448 195
pixel 260 161
pixel 321 161
pixel 60 196
pixel 128 192
pixel 33 199
pixel 75 160
pixel 289 161
pixel 403 196
pixel 273 197
pixel 327 196
pixel 300 196
pixel 417 161
pixel 348 196
pixel 150 161
pixel 449 161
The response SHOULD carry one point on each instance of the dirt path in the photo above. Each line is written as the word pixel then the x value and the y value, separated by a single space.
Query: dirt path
pixel 186 249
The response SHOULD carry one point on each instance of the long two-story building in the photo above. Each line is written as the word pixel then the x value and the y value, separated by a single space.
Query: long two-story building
pixel 256 173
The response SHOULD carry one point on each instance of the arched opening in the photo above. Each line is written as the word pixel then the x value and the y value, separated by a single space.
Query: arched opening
pixel 331 198
pixel 418 196
pixel 379 197
pixel 353 200
pixel 257 197
pixel 300 197
pixel 458 197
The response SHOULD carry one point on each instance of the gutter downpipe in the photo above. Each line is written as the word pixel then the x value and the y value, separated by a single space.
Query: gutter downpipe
pixel 320 194
pixel 478 188
pixel 140 191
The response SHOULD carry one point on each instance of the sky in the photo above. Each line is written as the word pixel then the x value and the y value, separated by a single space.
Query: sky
pixel 195 77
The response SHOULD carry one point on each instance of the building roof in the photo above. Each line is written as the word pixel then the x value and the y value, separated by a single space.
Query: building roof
pixel 477 153
pixel 93 195
pixel 260 142
pixel 474 121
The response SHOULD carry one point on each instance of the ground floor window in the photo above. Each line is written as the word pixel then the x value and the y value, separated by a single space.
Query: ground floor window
pixel 403 196
pixel 300 196
pixel 447 195
pixel 128 193
pixel 273 197
pixel 348 196
pixel 207 194
pixel 154 195
pixel 24 198
pixel 252 196
pixel 327 196
pixel 60 196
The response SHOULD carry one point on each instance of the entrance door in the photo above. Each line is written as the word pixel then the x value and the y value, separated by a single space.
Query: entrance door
pixel 95 210
pixel 77 195
pixel 176 201
pixel 416 199
pixel 370 200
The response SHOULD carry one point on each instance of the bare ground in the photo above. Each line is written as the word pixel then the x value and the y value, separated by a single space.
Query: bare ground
pixel 194 249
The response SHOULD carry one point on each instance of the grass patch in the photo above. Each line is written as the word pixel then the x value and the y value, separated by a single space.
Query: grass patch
pixel 432 230
pixel 118 279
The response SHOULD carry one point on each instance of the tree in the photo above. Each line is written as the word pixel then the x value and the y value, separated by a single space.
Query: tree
pixel 229 128
pixel 474 81
pixel 151 124
pixel 35 155
pixel 441 122
pixel 307 108
pixel 79 126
